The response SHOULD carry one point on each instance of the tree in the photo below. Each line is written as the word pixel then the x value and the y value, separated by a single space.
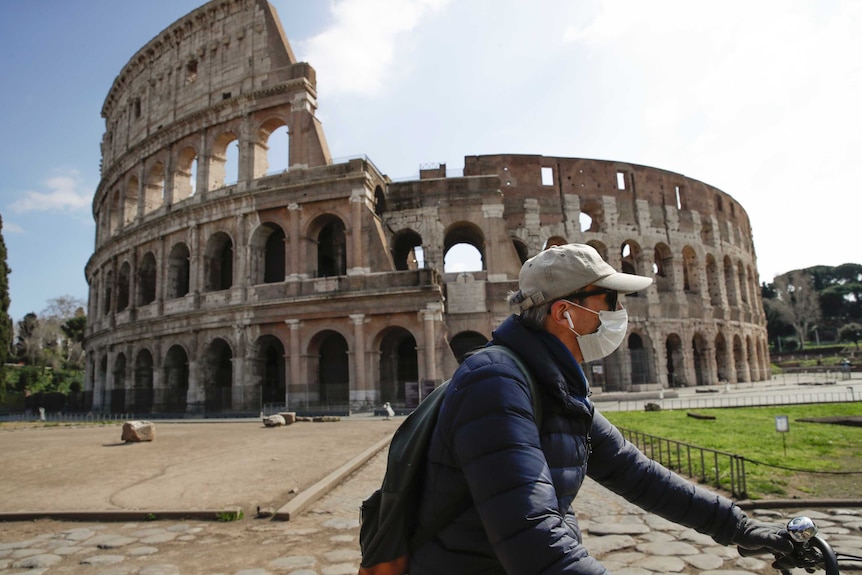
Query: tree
pixel 63 323
pixel 5 320
pixel 851 332
pixel 799 299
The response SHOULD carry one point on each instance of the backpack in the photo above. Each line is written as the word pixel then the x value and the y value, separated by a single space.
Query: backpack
pixel 388 516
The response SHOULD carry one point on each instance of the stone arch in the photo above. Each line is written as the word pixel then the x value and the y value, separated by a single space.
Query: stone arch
pixel 521 249
pixel 595 211
pixel 631 257
pixel 274 138
pixel 185 174
pixel 465 342
pixel 142 402
pixel 154 187
pixel 179 271
pixel 329 245
pixel 331 372
pixel 176 380
pixel 218 263
pixel 268 250
pixel 146 280
pixel 118 384
pixel 554 241
pixel 220 172
pixel 464 234
pixel 675 361
pixel 663 268
pixel 690 271
pixel 272 378
pixel 123 285
pixel 100 387
pixel 399 364
pixel 713 281
pixel 217 376
pixel 722 360
pixel 405 256
pixel 599 247
pixel 700 354
pixel 730 282
pixel 130 200
pixel 742 283
pixel 640 360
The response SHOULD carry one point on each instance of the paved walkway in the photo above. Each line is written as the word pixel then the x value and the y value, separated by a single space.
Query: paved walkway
pixel 324 540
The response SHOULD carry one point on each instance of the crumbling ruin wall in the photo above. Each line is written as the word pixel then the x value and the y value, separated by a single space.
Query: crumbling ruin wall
pixel 218 285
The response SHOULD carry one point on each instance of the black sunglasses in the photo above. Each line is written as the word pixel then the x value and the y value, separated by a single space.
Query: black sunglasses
pixel 611 296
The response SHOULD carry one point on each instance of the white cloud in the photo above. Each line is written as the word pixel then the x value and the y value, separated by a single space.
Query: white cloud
pixel 12 228
pixel 63 195
pixel 358 50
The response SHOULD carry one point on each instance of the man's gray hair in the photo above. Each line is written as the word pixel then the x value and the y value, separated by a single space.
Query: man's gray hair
pixel 534 317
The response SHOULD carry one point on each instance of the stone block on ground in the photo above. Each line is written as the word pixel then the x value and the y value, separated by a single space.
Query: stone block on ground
pixel 135 431
pixel 273 421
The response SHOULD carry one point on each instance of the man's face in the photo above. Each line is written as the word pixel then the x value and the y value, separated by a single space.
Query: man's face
pixel 583 321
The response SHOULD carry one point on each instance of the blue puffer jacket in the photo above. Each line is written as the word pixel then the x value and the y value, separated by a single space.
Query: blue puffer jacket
pixel 523 482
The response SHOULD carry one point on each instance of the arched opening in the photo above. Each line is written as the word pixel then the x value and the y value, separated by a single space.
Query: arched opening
pixel 185 177
pixel 143 400
pixel 224 161
pixel 267 257
pixel 399 365
pixel 217 376
pixel 147 279
pixel 713 282
pixel 743 285
pixel 278 151
pixel 599 247
pixel 631 260
pixel 675 364
pixel 178 272
pixel 554 241
pixel 270 357
pixel 333 370
pixel 154 188
pixel 701 360
pixel 663 268
pixel 130 201
pixel 100 385
pixel 331 247
pixel 463 248
pixel 176 380
pixel 109 285
pixel 592 214
pixel 722 359
pixel 123 280
pixel 218 262
pixel 639 360
pixel 379 201
pixel 521 249
pixel 118 384
pixel 465 342
pixel 407 252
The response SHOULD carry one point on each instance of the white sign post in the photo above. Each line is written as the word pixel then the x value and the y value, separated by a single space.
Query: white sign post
pixel 782 426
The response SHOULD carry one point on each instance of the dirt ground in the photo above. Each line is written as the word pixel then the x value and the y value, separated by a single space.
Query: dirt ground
pixel 188 465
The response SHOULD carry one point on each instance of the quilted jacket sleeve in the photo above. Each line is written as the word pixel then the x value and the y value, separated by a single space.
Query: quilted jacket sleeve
pixel 622 468
pixel 496 443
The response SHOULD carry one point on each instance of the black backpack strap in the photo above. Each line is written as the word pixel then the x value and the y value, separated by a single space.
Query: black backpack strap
pixel 464 501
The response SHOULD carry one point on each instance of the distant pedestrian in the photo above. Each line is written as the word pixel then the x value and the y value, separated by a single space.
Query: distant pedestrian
pixel 388 409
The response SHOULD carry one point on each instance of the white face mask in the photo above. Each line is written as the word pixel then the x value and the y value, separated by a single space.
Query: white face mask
pixel 605 340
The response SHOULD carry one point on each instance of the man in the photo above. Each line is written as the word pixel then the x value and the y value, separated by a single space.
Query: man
pixel 522 480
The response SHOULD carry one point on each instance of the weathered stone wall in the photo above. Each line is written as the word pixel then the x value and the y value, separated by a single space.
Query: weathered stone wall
pixel 324 286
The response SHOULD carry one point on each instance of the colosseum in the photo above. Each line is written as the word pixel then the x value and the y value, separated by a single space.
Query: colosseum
pixel 236 265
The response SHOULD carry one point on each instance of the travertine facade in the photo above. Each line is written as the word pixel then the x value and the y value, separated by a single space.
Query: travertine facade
pixel 217 286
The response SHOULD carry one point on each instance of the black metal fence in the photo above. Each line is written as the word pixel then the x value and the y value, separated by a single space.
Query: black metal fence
pixel 719 468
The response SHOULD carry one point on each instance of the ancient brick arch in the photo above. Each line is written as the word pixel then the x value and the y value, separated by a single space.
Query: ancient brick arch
pixel 336 260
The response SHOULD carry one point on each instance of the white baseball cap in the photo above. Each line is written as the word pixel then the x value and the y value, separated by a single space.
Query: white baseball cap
pixel 561 270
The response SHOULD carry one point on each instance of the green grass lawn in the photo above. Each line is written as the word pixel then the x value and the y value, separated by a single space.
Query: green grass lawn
pixel 751 433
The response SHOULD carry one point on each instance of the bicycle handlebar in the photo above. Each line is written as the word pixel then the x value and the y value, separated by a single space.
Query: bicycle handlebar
pixel 810 551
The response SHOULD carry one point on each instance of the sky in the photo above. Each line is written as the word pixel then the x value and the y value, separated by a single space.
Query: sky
pixel 759 99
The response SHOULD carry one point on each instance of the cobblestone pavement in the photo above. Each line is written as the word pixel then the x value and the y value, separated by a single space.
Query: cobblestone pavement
pixel 324 541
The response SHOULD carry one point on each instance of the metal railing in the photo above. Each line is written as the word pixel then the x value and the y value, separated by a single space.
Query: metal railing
pixel 719 468
pixel 699 402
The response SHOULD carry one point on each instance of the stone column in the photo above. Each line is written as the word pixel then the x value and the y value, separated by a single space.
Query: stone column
pixel 429 316
pixel 295 358
pixel 360 391
pixel 357 201
pixel 292 267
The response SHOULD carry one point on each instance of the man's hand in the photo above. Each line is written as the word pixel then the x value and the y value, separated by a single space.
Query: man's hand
pixel 754 538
